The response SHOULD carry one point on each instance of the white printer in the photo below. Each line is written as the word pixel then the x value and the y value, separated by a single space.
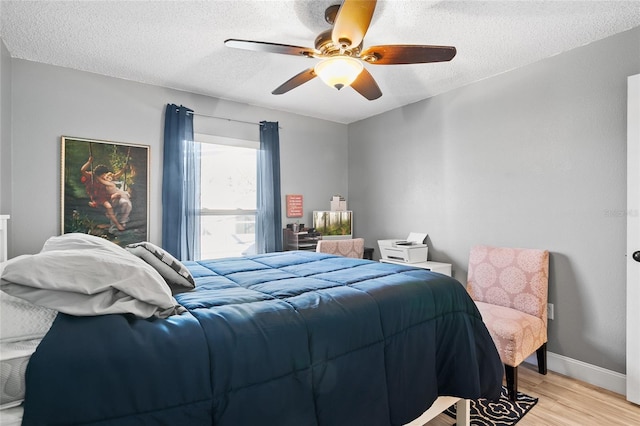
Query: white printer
pixel 411 250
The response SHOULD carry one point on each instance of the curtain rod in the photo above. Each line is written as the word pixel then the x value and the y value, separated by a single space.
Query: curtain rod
pixel 227 119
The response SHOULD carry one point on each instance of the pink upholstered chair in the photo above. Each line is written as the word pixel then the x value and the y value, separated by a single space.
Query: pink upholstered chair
pixel 510 287
pixel 347 248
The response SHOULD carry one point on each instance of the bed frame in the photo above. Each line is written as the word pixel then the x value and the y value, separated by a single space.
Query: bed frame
pixel 463 417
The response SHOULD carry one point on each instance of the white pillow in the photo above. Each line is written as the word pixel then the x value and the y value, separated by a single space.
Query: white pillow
pixel 83 275
pixel 78 241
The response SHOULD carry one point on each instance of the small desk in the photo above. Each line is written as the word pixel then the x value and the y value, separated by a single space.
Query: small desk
pixel 442 268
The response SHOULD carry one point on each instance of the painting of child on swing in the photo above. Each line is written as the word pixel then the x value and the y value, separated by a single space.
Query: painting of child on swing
pixel 105 189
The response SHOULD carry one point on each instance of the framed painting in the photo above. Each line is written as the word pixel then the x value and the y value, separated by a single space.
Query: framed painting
pixel 105 189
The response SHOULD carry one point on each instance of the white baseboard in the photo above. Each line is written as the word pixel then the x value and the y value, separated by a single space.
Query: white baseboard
pixel 598 376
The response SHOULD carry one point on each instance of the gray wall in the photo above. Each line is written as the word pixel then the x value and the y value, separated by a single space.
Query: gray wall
pixel 535 157
pixel 5 129
pixel 49 102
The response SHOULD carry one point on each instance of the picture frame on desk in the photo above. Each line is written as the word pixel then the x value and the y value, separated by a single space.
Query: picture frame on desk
pixel 333 225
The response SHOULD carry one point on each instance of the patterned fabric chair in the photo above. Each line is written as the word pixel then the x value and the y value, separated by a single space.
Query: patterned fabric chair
pixel 347 248
pixel 510 287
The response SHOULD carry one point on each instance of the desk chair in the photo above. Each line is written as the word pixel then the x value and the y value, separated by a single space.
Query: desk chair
pixel 348 248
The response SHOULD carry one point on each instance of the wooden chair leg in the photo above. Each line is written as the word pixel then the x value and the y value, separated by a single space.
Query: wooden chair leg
pixel 541 353
pixel 511 374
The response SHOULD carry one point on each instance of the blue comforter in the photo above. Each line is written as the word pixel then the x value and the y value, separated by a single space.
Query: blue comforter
pixel 293 338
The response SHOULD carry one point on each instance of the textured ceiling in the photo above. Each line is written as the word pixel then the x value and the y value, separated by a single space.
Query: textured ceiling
pixel 179 44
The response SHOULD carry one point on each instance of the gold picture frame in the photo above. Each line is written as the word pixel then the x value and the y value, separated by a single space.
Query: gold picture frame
pixel 105 189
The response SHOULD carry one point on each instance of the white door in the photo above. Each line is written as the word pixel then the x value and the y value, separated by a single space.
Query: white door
pixel 633 239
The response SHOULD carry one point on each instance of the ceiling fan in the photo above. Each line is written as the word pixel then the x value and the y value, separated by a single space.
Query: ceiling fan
pixel 342 53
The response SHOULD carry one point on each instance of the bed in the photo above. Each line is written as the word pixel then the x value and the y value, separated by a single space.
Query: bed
pixel 291 338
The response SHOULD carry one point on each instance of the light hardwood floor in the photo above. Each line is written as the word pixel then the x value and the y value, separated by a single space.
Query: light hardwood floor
pixel 567 402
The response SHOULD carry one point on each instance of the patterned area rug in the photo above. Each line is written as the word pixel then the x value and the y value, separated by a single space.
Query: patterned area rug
pixel 485 412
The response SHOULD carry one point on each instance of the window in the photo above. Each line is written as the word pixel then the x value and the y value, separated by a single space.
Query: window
pixel 227 196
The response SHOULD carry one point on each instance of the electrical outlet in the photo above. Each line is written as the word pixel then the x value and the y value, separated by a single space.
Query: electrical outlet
pixel 550 311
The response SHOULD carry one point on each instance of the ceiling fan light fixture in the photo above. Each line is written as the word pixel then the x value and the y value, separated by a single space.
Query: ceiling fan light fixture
pixel 339 71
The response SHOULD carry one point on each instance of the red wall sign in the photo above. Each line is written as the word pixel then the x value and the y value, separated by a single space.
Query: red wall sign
pixel 294 205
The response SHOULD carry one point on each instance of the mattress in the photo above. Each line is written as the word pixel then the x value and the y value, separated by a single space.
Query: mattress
pixel 11 416
pixel 14 357
pixel 22 327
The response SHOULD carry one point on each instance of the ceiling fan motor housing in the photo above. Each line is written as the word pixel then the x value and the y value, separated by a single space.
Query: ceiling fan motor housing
pixel 325 44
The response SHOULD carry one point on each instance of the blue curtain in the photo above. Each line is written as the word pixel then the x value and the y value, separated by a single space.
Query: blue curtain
pixel 180 185
pixel 269 216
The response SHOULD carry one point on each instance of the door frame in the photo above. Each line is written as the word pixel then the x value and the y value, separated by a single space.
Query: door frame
pixel 633 238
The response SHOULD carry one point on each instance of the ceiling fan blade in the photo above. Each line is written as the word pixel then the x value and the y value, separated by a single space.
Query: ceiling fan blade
pixel 366 85
pixel 265 46
pixel 352 22
pixel 295 81
pixel 407 54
